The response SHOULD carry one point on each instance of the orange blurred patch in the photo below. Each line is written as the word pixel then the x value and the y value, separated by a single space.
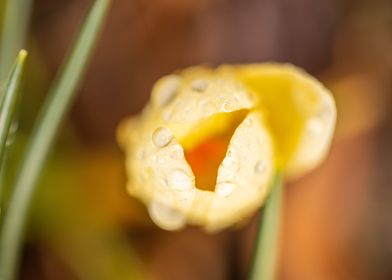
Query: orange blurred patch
pixel 205 160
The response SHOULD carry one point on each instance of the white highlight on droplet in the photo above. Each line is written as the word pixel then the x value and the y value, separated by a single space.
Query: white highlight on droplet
pixel 229 166
pixel 226 106
pixel 224 189
pixel 176 152
pixel 315 125
pixel 168 90
pixel 248 122
pixel 231 159
pixel 325 110
pixel 167 115
pixel 199 85
pixel 179 180
pixel 166 216
pixel 162 136
pixel 161 160
pixel 260 166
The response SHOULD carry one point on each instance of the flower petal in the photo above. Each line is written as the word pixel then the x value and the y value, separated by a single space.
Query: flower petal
pixel 244 175
pixel 300 111
pixel 275 116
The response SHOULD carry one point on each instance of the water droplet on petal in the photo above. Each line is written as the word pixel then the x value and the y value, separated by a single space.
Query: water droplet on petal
pixel 226 106
pixel 260 166
pixel 161 160
pixel 168 90
pixel 199 85
pixel 231 160
pixel 325 111
pixel 224 189
pixel 206 108
pixel 229 166
pixel 167 115
pixel 179 180
pixel 248 122
pixel 162 136
pixel 315 126
pixel 166 216
pixel 176 152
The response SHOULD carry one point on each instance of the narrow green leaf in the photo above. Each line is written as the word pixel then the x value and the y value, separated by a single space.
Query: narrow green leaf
pixel 7 109
pixel 10 94
pixel 13 33
pixel 47 124
pixel 267 240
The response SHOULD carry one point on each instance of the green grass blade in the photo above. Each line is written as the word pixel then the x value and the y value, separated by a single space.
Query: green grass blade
pixel 53 111
pixel 267 240
pixel 7 109
pixel 14 28
pixel 8 103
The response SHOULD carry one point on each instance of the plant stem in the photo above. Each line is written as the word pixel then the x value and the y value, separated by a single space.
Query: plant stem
pixel 46 126
pixel 267 241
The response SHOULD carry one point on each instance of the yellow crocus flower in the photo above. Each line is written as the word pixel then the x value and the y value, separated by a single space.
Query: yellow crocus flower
pixel 205 149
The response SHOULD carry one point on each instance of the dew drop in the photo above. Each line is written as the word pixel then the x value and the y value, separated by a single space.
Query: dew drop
pixel 325 111
pixel 229 166
pixel 224 189
pixel 167 115
pixel 12 133
pixel 315 126
pixel 179 180
pixel 231 160
pixel 199 85
pixel 226 106
pixel 168 90
pixel 176 152
pixel 162 136
pixel 185 199
pixel 248 122
pixel 161 160
pixel 260 166
pixel 206 108
pixel 166 216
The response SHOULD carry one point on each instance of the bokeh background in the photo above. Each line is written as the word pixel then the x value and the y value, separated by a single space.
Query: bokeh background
pixel 336 222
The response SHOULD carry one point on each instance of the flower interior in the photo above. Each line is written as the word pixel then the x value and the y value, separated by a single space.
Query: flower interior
pixel 206 145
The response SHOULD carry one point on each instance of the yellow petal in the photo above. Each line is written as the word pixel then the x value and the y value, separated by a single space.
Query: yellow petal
pixel 186 111
pixel 245 174
pixel 205 149
pixel 191 102
pixel 300 111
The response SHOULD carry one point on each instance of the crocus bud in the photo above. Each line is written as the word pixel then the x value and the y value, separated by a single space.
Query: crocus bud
pixel 206 147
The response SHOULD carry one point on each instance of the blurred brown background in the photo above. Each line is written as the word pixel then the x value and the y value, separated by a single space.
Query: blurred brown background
pixel 336 222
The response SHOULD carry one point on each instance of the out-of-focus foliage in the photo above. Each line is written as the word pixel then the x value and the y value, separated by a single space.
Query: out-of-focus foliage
pixel 15 210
